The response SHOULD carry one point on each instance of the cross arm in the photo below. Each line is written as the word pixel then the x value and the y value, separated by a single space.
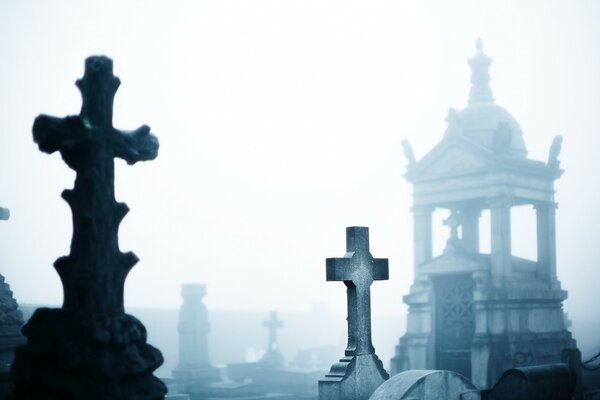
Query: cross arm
pixel 381 270
pixel 134 146
pixel 52 134
pixel 339 269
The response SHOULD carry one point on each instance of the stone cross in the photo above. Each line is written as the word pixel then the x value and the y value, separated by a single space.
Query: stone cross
pixel 4 214
pixel 360 372
pixel 90 347
pixel 272 324
pixel 93 275
pixel 358 269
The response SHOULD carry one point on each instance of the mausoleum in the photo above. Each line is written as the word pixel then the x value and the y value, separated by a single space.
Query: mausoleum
pixel 469 312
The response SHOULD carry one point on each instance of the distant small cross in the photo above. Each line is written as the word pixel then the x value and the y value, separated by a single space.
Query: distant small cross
pixel 4 214
pixel 273 324
pixel 358 269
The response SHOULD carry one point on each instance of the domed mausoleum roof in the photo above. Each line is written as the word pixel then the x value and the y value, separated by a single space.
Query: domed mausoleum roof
pixel 484 122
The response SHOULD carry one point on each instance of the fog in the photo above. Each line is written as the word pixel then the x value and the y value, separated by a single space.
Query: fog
pixel 280 123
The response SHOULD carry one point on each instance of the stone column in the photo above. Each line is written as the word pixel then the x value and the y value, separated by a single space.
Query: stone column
pixel 500 235
pixel 422 235
pixel 546 240
pixel 469 219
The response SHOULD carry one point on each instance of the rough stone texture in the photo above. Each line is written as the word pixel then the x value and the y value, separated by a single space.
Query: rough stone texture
pixel 473 313
pixel 89 348
pixel 194 360
pixel 357 375
pixel 272 357
pixel 426 384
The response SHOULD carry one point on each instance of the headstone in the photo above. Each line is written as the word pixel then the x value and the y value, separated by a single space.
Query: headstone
pixel 90 348
pixel 194 360
pixel 272 357
pixel 360 372
pixel 547 382
pixel 11 321
pixel 426 384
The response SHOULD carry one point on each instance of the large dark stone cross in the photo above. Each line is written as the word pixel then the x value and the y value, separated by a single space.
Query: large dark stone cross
pixel 93 275
pixel 90 348
pixel 358 374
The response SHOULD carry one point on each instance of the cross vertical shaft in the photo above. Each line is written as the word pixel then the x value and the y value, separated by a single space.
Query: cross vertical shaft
pixel 360 372
pixel 358 269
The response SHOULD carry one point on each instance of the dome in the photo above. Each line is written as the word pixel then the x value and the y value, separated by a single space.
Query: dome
pixel 482 121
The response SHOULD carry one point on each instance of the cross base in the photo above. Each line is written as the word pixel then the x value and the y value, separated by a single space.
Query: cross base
pixel 70 356
pixel 353 378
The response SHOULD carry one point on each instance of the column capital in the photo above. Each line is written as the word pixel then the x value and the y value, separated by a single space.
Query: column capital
pixel 499 202
pixel 545 206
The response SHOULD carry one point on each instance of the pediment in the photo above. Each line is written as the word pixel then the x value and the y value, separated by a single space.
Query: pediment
pixel 451 157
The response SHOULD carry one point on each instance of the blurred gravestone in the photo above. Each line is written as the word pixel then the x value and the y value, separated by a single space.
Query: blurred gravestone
pixel 272 357
pixel 194 361
pixel 360 372
pixel 11 321
pixel 89 348
pixel 426 384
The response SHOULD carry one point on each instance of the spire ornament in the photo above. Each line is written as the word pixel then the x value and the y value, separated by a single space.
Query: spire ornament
pixel 481 91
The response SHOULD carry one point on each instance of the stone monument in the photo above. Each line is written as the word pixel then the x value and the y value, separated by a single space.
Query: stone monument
pixel 11 319
pixel 194 361
pixel 360 372
pixel 89 348
pixel 473 313
pixel 272 357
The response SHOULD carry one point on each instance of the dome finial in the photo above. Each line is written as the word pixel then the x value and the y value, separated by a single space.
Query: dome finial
pixel 480 76
pixel 479 45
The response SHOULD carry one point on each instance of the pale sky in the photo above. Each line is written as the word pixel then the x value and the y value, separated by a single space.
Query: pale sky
pixel 280 124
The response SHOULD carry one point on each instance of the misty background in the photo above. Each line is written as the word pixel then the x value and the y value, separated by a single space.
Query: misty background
pixel 280 123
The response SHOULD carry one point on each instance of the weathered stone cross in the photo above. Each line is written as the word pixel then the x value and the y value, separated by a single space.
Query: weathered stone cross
pixel 90 347
pixel 273 324
pixel 93 275
pixel 360 372
pixel 358 269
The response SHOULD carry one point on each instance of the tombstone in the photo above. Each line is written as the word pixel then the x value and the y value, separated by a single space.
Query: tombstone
pixel 360 372
pixel 272 357
pixel 543 382
pixel 426 384
pixel 194 361
pixel 11 321
pixel 473 313
pixel 89 348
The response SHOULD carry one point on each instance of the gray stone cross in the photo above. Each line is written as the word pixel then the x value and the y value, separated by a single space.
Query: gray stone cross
pixel 4 214
pixel 358 269
pixel 273 324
